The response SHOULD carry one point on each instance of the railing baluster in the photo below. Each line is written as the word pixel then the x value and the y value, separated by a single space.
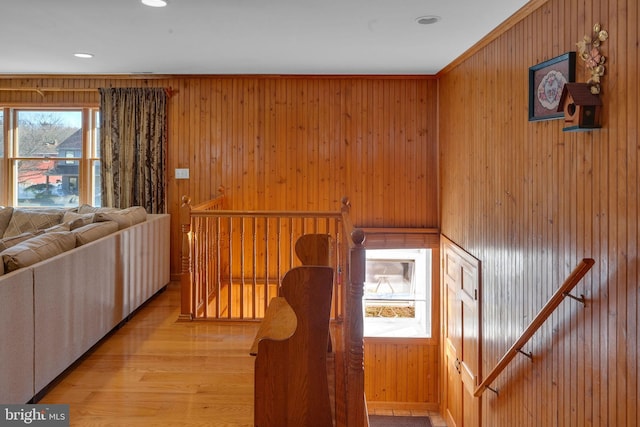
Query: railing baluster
pixel 195 273
pixel 230 269
pixel 218 271
pixel 242 271
pixel 202 269
pixel 255 267
pixel 291 250
pixel 278 251
pixel 204 250
pixel 266 264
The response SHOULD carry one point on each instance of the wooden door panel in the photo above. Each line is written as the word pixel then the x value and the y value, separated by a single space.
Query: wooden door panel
pixel 452 267
pixel 462 336
pixel 453 322
pixel 469 379
pixel 470 320
pixel 469 280
pixel 453 403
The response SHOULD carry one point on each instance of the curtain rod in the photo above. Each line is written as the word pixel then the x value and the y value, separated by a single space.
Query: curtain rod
pixel 41 90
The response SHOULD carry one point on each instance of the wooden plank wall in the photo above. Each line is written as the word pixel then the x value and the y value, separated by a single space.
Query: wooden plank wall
pixel 289 142
pixel 530 201
pixel 402 373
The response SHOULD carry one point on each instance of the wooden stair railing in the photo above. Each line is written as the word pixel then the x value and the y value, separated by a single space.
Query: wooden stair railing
pixel 349 275
pixel 355 406
pixel 187 291
pixel 233 261
pixel 576 275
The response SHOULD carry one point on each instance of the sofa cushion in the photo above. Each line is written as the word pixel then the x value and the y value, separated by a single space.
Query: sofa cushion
pixel 36 249
pixel 14 240
pixel 85 209
pixel 58 227
pixel 94 231
pixel 124 217
pixel 76 220
pixel 5 217
pixel 24 220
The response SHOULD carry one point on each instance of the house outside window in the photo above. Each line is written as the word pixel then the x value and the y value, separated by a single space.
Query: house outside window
pixel 33 141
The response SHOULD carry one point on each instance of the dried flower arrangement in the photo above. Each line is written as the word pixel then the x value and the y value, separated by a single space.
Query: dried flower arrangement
pixel 589 52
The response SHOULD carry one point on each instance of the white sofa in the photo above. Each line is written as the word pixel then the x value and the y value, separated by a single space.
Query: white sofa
pixel 54 311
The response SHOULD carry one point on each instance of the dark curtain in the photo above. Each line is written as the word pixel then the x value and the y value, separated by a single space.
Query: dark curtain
pixel 133 147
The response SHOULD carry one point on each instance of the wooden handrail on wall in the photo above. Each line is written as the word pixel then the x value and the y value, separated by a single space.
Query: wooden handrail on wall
pixel 576 275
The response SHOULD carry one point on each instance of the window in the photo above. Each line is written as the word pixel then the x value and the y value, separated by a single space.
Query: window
pixel 1 133
pixel 397 294
pixel 70 154
pixel 34 140
pixel 3 163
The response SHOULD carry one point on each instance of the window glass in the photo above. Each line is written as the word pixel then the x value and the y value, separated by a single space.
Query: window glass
pixel 3 164
pixel 97 137
pixel 48 159
pixel 46 133
pixel 397 295
pixel 39 184
pixel 1 132
pixel 96 199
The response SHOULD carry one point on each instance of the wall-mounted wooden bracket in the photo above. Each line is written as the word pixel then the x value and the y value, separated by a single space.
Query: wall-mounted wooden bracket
pixel 579 299
pixel 495 390
pixel 529 355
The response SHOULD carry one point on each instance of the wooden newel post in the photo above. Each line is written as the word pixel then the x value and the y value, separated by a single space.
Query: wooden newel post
pixel 356 413
pixel 186 290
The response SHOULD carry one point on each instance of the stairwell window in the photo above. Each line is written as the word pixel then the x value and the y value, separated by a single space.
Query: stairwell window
pixel 397 294
pixel 50 157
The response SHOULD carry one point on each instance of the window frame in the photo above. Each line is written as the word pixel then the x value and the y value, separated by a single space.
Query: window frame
pixel 427 238
pixel 421 263
pixel 11 158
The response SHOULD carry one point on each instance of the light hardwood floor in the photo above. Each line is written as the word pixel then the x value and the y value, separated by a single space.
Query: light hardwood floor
pixel 155 371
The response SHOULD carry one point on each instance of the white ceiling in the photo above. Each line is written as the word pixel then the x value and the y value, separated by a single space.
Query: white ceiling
pixel 242 36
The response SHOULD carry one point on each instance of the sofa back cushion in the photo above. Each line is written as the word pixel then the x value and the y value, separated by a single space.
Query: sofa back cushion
pixel 36 249
pixel 76 220
pixel 24 220
pixel 85 209
pixel 8 242
pixel 5 217
pixel 90 232
pixel 124 217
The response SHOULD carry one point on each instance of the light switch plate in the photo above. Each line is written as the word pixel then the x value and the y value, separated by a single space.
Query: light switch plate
pixel 182 173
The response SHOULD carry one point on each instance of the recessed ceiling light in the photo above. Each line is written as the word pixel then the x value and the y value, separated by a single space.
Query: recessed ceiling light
pixel 83 55
pixel 428 19
pixel 155 3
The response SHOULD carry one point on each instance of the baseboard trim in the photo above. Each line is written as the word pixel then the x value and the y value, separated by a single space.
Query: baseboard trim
pixel 404 406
